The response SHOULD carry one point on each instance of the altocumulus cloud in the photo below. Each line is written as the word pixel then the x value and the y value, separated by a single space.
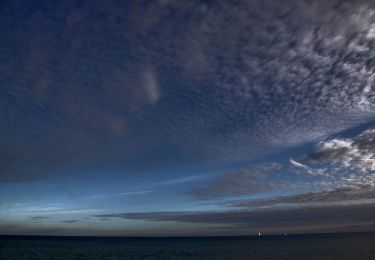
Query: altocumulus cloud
pixel 280 54
pixel 225 83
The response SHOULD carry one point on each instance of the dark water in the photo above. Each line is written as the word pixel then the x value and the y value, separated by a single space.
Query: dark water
pixel 332 246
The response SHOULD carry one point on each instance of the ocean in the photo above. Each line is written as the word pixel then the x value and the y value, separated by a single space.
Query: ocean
pixel 323 246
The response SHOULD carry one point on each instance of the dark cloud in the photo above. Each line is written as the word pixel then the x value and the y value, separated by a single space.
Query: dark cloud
pixel 337 196
pixel 254 180
pixel 362 227
pixel 70 221
pixel 24 229
pixel 273 219
pixel 39 217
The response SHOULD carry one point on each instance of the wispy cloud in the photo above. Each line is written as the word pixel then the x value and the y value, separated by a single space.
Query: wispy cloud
pixel 151 86
pixel 339 196
pixel 39 217
pixel 129 193
pixel 136 192
pixel 302 168
pixel 70 221
pixel 272 220
pixel 254 180
pixel 51 210
pixel 181 180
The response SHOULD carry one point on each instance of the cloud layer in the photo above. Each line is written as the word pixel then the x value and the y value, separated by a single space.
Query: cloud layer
pixel 226 83
pixel 336 218
pixel 339 196
pixel 340 171
pixel 333 191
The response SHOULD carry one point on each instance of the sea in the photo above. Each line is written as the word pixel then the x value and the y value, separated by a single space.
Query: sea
pixel 320 246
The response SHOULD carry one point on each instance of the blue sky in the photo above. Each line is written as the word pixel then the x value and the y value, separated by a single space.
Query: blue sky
pixel 186 118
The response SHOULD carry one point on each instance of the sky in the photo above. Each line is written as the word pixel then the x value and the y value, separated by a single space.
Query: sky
pixel 187 118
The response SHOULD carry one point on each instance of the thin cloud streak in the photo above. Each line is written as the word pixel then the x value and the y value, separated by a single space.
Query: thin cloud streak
pixel 298 219
pixel 181 180
pixel 55 210
pixel 136 192
pixel 339 196
pixel 130 193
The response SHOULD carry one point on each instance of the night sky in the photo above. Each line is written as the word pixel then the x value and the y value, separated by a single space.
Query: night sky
pixel 163 118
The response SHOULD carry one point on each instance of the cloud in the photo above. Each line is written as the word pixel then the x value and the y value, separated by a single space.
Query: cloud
pixel 130 193
pixel 297 164
pixel 271 220
pixel 278 81
pixel 70 221
pixel 339 166
pixel 236 183
pixel 150 83
pixel 302 168
pixel 228 82
pixel 273 61
pixel 266 177
pixel 136 192
pixel 182 180
pixel 356 154
pixel 339 196
pixel 39 217
pixel 56 210
pixel 258 179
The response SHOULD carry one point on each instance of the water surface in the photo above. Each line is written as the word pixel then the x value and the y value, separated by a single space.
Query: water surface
pixel 328 246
